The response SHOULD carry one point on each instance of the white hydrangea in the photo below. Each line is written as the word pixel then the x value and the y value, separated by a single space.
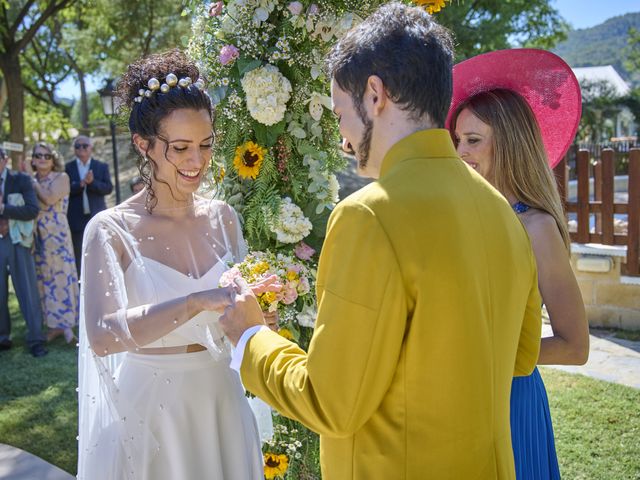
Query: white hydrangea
pixel 307 317
pixel 291 225
pixel 267 93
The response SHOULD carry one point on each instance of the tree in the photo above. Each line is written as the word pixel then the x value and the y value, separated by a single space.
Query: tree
pixel 600 106
pixel 633 51
pixel 43 123
pixel 102 37
pixel 20 20
pixel 484 25
pixel 632 99
pixel 45 64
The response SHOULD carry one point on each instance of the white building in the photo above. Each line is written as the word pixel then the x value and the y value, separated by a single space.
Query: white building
pixel 624 124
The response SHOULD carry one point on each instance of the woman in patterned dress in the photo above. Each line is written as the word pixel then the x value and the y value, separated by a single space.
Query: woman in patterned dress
pixel 55 263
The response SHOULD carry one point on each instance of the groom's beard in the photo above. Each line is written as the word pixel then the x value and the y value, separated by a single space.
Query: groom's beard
pixel 364 147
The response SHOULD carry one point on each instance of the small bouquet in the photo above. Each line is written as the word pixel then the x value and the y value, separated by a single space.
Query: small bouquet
pixel 291 296
pixel 281 451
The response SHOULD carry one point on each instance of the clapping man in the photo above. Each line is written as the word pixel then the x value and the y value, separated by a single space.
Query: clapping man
pixel 90 183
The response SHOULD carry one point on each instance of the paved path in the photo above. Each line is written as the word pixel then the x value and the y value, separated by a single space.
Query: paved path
pixel 610 358
pixel 16 464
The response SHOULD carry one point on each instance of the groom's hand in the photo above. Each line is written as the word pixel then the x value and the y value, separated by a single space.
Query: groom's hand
pixel 243 314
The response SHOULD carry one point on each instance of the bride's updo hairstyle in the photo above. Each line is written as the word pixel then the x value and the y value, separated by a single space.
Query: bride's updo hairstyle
pixel 151 89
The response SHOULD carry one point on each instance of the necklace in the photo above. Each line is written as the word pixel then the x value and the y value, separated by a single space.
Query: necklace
pixel 520 207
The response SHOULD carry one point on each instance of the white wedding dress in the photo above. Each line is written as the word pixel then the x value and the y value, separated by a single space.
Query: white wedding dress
pixel 178 416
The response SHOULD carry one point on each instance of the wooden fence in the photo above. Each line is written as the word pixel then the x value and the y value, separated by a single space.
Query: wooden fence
pixel 602 205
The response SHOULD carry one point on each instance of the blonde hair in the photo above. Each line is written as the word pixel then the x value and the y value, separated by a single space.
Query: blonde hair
pixel 58 164
pixel 519 159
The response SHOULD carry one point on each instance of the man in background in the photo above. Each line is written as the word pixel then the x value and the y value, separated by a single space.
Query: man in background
pixel 18 209
pixel 90 183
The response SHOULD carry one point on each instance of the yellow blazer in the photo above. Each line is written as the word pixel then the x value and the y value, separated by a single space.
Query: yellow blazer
pixel 427 305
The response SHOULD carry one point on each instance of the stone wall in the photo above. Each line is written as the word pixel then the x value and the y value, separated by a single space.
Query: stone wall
pixel 611 299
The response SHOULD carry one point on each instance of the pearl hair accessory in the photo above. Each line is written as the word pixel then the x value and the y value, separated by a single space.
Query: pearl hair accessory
pixel 171 81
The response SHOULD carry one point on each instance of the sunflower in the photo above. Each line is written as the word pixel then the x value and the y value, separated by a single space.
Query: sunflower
pixel 285 333
pixel 275 465
pixel 248 159
pixel 432 6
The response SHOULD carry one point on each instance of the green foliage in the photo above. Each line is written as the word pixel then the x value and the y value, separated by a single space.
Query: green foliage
pixel 96 115
pixel 104 36
pixel 263 202
pixel 44 122
pixel 45 64
pixel 600 105
pixel 301 145
pixel 632 51
pixel 604 44
pixel 481 26
pixel 89 37
pixel 304 457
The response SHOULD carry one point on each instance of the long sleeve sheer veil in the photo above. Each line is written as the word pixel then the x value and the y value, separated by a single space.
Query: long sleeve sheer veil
pixel 122 309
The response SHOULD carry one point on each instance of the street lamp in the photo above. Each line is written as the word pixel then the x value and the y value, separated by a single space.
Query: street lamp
pixel 108 107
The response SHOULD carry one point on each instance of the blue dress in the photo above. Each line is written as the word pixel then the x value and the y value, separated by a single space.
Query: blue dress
pixel 534 449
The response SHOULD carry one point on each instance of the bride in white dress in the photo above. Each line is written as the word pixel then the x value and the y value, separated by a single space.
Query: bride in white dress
pixel 157 397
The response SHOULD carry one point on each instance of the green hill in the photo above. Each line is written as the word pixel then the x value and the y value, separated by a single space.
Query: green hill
pixel 604 44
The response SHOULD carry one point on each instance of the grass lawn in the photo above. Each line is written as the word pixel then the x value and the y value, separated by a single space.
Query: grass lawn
pixel 38 399
pixel 597 424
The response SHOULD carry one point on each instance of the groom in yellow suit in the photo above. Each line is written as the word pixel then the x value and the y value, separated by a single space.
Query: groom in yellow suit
pixel 427 290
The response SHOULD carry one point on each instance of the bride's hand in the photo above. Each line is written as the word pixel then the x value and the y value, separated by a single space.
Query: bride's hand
pixel 216 299
pixel 269 284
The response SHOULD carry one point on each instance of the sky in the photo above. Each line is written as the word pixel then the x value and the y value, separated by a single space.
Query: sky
pixel 588 13
pixel 579 13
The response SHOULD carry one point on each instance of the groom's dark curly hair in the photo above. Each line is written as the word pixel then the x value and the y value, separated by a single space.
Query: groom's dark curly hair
pixel 408 50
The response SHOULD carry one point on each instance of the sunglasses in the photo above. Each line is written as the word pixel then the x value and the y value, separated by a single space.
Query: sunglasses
pixel 78 146
pixel 46 156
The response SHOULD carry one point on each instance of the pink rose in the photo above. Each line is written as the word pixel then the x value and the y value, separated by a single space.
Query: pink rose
pixel 295 8
pixel 228 277
pixel 289 295
pixel 228 54
pixel 303 286
pixel 303 251
pixel 215 9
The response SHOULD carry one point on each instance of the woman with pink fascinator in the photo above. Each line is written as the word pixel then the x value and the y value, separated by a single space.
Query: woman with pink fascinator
pixel 513 116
